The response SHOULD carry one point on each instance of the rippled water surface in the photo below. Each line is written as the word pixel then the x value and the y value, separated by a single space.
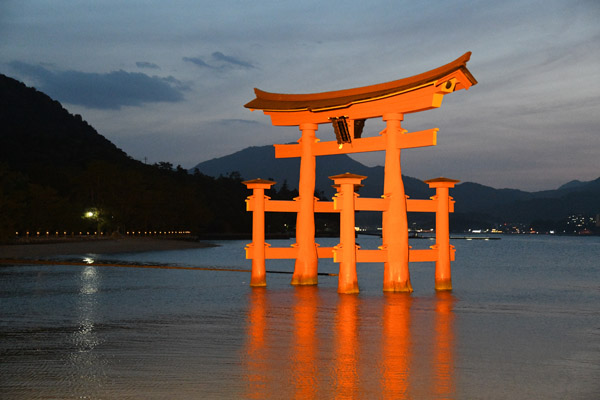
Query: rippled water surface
pixel 523 322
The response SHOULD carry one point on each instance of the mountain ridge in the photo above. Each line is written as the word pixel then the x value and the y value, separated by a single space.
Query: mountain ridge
pixel 235 162
pixel 489 204
pixel 246 162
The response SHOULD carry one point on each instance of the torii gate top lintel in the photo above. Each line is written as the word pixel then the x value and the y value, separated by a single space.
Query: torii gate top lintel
pixel 416 93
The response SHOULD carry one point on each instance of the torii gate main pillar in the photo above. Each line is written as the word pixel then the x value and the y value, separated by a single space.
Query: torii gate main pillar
pixel 396 277
pixel 306 267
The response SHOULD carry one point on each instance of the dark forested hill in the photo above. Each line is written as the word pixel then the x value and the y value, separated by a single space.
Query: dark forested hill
pixel 37 130
pixel 55 168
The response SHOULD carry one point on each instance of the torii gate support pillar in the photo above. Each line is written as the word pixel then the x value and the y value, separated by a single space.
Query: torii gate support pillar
pixel 443 275
pixel 345 252
pixel 257 247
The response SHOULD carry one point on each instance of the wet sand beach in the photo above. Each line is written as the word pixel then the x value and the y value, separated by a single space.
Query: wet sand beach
pixel 95 246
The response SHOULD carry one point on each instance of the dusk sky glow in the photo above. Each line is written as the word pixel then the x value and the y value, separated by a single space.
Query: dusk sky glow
pixel 167 81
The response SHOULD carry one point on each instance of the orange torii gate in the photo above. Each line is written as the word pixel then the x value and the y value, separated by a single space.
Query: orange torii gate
pixel 347 110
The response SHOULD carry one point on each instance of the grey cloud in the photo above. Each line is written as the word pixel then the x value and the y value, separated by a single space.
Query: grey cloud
pixel 104 91
pixel 146 64
pixel 220 62
pixel 218 56
pixel 198 62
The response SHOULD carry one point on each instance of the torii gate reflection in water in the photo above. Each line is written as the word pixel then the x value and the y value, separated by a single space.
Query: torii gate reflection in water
pixel 347 110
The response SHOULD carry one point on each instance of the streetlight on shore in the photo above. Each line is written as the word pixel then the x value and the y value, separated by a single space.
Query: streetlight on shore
pixel 93 214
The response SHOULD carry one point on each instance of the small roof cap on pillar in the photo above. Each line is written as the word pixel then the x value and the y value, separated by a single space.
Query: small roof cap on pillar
pixel 347 175
pixel 259 183
pixel 441 182
pixel 348 178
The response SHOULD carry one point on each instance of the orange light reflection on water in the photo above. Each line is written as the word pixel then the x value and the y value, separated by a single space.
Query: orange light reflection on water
pixel 396 354
pixel 347 347
pixel 257 377
pixel 304 363
pixel 444 346
pixel 311 344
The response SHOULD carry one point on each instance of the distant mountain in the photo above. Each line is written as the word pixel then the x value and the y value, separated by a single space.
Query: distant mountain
pixel 574 184
pixel 517 205
pixel 570 187
pixel 260 162
pixel 556 204
pixel 475 198
pixel 475 203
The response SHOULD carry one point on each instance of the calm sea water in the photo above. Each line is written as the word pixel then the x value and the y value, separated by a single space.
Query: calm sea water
pixel 523 322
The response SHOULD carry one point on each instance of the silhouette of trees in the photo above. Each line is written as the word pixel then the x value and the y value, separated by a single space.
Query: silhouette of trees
pixel 56 167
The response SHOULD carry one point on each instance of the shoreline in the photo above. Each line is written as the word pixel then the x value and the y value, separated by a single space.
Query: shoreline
pixel 96 246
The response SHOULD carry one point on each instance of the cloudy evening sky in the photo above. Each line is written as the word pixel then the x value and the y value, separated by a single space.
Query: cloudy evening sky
pixel 167 80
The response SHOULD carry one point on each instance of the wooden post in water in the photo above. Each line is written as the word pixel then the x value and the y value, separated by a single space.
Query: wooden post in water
pixel 257 247
pixel 443 275
pixel 345 252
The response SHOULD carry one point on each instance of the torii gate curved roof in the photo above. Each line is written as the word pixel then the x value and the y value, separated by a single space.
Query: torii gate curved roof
pixel 325 101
